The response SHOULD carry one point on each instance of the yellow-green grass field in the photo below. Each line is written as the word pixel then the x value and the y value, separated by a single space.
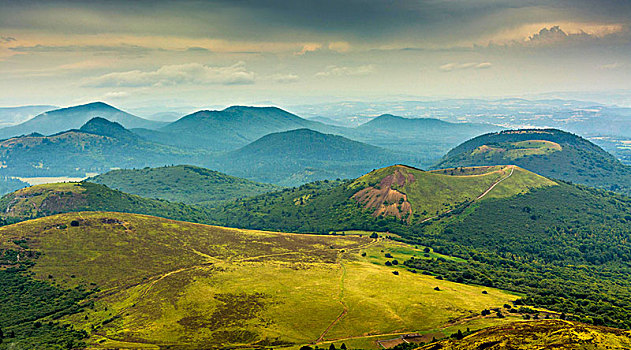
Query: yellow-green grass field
pixel 188 286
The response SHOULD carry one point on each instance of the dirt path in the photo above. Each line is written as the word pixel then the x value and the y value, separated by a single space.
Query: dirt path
pixel 512 168
pixel 341 295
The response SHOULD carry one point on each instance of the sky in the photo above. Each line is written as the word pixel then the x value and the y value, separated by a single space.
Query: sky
pixel 205 53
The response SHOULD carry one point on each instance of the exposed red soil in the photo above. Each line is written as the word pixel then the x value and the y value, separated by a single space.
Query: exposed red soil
pixel 386 200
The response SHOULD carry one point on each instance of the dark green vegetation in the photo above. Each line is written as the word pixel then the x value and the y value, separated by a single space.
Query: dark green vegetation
pixel 549 152
pixel 566 247
pixel 182 183
pixel 229 129
pixel 50 199
pixel 303 155
pixel 30 310
pixel 73 117
pixel 96 147
pixel 555 334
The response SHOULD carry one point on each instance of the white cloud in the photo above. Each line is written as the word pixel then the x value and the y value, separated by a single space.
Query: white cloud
pixel 182 74
pixel 469 65
pixel 116 94
pixel 340 71
pixel 309 47
pixel 285 78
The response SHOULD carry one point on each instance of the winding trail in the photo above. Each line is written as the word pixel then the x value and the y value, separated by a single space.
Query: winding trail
pixel 341 295
pixel 512 169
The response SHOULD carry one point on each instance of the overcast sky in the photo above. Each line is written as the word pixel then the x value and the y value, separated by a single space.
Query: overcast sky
pixel 202 53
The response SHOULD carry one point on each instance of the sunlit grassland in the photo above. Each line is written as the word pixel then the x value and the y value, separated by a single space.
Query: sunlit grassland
pixel 183 285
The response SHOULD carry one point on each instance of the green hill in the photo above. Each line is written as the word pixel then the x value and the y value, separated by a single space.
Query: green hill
pixel 49 199
pixel 96 147
pixel 400 193
pixel 59 120
pixel 539 335
pixel 113 280
pixel 231 128
pixel 182 183
pixel 548 152
pixel 564 246
pixel 303 155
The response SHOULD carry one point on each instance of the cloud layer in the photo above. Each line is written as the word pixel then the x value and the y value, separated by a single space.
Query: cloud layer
pixel 184 74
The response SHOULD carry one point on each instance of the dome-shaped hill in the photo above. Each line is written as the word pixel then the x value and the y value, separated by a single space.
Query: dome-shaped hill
pixel 407 192
pixel 549 152
pixel 49 199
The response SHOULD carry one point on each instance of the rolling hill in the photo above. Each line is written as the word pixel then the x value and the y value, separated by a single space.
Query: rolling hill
pixel 562 245
pixel 398 192
pixel 303 155
pixel 229 129
pixel 49 199
pixel 60 120
pixel 182 183
pixel 113 280
pixel 549 152
pixel 98 146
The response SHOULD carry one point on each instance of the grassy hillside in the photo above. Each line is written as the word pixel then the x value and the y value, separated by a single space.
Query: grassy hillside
pixel 540 335
pixel 182 183
pixel 133 281
pixel 548 152
pixel 98 146
pixel 398 194
pixel 50 199
pixel 303 155
pixel 59 120
pixel 565 246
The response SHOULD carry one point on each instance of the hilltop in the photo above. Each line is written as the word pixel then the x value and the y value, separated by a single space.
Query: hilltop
pixel 303 155
pixel 116 280
pixel 63 119
pixel 182 183
pixel 549 152
pixel 49 199
pixel 397 192
pixel 229 129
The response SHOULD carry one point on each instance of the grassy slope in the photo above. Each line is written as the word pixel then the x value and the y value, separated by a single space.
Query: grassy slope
pixel 540 335
pixel 172 283
pixel 50 199
pixel 182 183
pixel 552 153
pixel 321 207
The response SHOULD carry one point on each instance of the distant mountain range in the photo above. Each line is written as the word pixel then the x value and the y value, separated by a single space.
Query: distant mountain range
pixel 59 120
pixel 97 146
pixel 229 129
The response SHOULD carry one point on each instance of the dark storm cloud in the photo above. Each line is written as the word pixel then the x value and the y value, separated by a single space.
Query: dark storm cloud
pixel 361 20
